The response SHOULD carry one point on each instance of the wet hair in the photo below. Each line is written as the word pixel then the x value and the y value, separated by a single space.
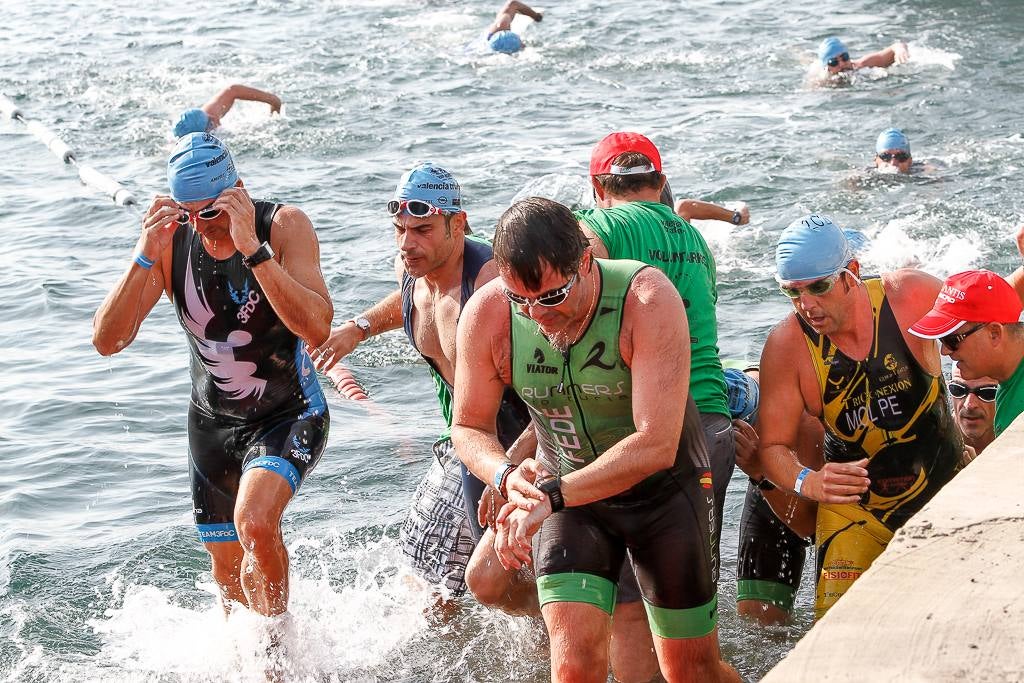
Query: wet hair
pixel 536 231
pixel 619 185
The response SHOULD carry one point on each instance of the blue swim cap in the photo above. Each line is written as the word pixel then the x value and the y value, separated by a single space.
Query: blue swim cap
pixel 829 48
pixel 857 240
pixel 811 248
pixel 191 121
pixel 744 395
pixel 505 41
pixel 200 168
pixel 892 138
pixel 430 183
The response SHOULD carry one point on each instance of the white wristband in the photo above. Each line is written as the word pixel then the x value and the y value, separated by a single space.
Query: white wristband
pixel 800 480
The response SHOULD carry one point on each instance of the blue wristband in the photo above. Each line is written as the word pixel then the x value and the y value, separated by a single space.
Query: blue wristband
pixel 500 473
pixel 800 480
pixel 142 262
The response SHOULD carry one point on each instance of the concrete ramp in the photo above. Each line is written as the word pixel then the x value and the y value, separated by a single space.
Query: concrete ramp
pixel 945 601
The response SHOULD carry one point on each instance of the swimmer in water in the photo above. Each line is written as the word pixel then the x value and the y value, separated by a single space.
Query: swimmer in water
pixel 835 58
pixel 207 117
pixel 500 36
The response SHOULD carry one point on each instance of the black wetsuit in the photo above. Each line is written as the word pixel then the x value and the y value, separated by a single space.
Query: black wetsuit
pixel 256 401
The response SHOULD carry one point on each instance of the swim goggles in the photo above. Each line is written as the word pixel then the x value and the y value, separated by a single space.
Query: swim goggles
pixel 207 214
pixel 898 156
pixel 416 208
pixel 817 288
pixel 986 393
pixel 554 297
pixel 834 61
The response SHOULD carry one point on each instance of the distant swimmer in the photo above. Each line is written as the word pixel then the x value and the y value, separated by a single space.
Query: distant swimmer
pixel 890 439
pixel 892 151
pixel 622 472
pixel 439 266
pixel 207 117
pixel 244 279
pixel 835 58
pixel 500 36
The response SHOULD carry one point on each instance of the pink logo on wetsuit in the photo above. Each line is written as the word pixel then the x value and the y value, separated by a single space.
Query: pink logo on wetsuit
pixel 232 376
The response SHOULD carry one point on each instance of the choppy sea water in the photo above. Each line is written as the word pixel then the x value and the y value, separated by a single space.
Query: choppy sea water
pixel 101 575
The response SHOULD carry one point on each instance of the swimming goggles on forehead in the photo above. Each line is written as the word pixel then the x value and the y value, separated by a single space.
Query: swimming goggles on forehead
pixel 416 208
pixel 986 393
pixel 843 57
pixel 816 288
pixel 554 297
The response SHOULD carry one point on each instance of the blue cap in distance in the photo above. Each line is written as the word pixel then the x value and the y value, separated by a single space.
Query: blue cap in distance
pixel 430 183
pixel 200 167
pixel 191 121
pixel 829 48
pixel 811 248
pixel 505 41
pixel 743 393
pixel 892 138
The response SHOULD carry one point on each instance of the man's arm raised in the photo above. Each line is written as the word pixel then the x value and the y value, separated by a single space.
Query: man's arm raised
pixel 655 344
pixel 120 316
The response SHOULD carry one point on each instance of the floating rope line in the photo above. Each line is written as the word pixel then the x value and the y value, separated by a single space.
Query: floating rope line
pixel 60 149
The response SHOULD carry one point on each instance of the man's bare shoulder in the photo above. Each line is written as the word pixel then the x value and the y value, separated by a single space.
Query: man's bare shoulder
pixel 650 285
pixel 911 287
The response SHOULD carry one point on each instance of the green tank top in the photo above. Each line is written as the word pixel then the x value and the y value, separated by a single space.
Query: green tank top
pixel 1010 399
pixel 652 233
pixel 580 401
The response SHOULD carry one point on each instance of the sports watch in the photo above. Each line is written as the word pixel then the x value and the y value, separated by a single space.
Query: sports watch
pixel 737 218
pixel 553 488
pixel 363 324
pixel 264 253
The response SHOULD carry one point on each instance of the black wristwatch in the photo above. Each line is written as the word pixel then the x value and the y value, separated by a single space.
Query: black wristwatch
pixel 763 484
pixel 737 218
pixel 553 489
pixel 264 253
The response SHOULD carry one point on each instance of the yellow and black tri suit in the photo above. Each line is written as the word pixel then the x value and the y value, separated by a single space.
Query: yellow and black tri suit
pixel 890 410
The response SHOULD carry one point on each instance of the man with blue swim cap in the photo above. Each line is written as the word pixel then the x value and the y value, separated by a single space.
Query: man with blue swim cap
pixel 500 37
pixel 890 439
pixel 244 278
pixel 835 58
pixel 892 150
pixel 207 118
pixel 439 266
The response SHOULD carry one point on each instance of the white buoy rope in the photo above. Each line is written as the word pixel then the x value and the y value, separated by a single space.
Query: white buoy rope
pixel 60 149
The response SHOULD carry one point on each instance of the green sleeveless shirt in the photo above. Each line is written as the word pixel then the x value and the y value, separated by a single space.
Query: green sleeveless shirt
pixel 652 233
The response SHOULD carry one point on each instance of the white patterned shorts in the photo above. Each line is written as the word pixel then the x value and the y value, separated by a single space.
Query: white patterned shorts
pixel 435 534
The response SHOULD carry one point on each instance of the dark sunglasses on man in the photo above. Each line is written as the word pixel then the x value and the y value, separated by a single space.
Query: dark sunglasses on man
pixel 835 61
pixel 986 393
pixel 898 156
pixel 953 341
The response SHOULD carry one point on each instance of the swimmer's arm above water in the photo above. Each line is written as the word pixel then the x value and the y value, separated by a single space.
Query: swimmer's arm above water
pixel 693 209
pixel 120 316
pixel 1016 278
pixel 897 53
pixel 221 103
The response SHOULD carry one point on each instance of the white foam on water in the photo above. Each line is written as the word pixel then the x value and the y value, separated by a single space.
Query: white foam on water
pixel 331 630
pixel 931 56
pixel 893 246
pixel 565 188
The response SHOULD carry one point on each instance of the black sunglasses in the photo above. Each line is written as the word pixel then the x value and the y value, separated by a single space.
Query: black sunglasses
pixel 986 393
pixel 898 156
pixel 953 341
pixel 844 57
pixel 554 297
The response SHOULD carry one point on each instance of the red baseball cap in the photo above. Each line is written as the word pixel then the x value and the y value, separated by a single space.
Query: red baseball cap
pixel 977 296
pixel 618 143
